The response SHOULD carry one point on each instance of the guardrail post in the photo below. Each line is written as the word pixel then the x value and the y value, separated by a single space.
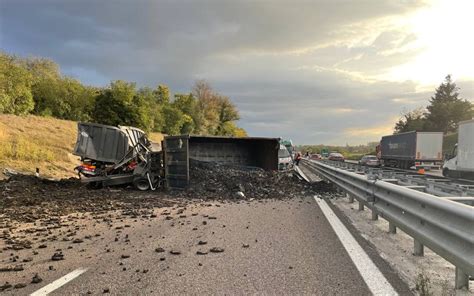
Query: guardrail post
pixel 461 279
pixel 418 248
pixel 392 228
pixel 361 206
pixel 375 216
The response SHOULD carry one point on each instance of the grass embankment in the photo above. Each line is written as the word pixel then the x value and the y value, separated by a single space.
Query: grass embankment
pixel 30 142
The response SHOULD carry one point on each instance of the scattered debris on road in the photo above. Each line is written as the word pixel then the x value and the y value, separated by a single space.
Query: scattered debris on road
pixel 225 182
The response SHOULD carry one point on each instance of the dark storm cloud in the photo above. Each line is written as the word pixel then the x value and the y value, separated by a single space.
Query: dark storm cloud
pixel 288 65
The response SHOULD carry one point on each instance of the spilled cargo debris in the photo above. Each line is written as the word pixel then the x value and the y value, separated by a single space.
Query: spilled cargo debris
pixel 228 182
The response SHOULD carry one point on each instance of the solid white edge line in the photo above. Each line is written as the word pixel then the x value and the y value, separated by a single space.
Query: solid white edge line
pixel 59 282
pixel 372 276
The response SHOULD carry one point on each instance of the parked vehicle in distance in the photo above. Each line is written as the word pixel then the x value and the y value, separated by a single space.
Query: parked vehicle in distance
pixel 315 156
pixel 418 149
pixel 325 152
pixel 369 160
pixel 336 156
pixel 460 164
pixel 284 158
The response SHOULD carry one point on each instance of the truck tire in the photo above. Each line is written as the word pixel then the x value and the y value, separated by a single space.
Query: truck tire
pixel 446 173
pixel 95 185
pixel 141 184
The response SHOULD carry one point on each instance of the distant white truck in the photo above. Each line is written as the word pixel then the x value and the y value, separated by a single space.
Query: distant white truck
pixel 412 149
pixel 461 163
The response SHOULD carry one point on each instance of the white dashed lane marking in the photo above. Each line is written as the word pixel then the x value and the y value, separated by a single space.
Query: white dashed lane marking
pixel 59 282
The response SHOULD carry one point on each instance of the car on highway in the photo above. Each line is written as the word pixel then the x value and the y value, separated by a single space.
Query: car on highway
pixel 315 156
pixel 369 160
pixel 284 158
pixel 336 156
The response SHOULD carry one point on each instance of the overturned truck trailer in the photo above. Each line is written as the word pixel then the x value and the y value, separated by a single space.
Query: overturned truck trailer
pixel 248 151
pixel 123 155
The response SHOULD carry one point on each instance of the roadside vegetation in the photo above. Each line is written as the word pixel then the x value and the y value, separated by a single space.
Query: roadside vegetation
pixel 36 86
pixel 30 142
pixel 40 107
pixel 445 110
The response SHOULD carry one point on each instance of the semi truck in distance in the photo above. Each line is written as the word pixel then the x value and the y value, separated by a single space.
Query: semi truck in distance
pixel 460 164
pixel 412 149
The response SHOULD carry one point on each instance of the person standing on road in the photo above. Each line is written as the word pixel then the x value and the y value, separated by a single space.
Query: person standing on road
pixel 298 158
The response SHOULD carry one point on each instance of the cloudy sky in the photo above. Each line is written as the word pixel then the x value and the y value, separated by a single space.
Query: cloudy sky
pixel 321 71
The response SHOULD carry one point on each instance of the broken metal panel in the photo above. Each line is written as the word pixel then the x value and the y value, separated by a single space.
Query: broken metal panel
pixel 134 134
pixel 100 142
pixel 176 161
pixel 105 143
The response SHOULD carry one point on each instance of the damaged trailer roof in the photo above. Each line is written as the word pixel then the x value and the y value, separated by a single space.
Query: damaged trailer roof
pixel 104 142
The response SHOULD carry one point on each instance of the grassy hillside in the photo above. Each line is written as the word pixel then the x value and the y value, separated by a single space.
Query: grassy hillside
pixel 31 142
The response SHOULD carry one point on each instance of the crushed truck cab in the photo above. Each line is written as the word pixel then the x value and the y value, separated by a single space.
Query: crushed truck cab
pixel 115 156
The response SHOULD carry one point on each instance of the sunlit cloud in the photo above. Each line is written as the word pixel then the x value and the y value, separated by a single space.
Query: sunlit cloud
pixel 443 35
pixel 372 132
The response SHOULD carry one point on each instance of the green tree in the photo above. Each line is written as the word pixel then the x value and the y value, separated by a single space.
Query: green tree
pixel 411 121
pixel 162 94
pixel 117 105
pixel 446 109
pixel 187 126
pixel 173 120
pixel 15 87
pixel 42 68
pixel 36 85
pixel 188 104
pixel 207 106
pixel 154 116
pixel 217 114
pixel 228 114
pixel 79 98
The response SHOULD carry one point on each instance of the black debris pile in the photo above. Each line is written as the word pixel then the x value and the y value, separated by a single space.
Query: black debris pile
pixel 218 181
pixel 27 198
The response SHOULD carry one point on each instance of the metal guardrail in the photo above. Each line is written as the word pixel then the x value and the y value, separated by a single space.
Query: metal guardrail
pixel 444 226
pixel 438 186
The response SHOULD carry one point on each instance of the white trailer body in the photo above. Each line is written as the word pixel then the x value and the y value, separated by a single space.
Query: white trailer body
pixel 461 164
pixel 429 146
pixel 465 161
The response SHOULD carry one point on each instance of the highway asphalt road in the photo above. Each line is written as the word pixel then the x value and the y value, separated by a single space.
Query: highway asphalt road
pixel 273 247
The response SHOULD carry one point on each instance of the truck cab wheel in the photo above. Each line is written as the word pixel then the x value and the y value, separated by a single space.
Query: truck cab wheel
pixel 141 184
